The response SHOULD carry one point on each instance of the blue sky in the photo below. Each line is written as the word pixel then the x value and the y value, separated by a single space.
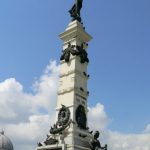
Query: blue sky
pixel 119 52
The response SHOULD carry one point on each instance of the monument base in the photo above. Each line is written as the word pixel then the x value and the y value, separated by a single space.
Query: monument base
pixel 62 147
pixel 53 147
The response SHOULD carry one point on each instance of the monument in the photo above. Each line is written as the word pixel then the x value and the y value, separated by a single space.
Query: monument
pixel 71 131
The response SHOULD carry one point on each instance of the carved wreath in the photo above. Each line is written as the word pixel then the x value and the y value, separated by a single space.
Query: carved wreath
pixel 63 121
pixel 63 116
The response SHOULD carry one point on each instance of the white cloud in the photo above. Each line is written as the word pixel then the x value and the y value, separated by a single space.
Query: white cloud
pixel 147 129
pixel 30 130
pixel 98 120
pixel 119 141
pixel 10 85
pixel 11 95
pixel 27 134
pixel 27 117
pixel 98 116
pixel 46 88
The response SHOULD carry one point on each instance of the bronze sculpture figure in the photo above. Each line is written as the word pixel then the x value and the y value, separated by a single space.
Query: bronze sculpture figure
pixel 75 10
pixel 81 118
pixel 75 50
pixel 95 143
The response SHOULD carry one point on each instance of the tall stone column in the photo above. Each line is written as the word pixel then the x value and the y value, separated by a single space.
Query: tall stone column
pixel 71 130
pixel 73 90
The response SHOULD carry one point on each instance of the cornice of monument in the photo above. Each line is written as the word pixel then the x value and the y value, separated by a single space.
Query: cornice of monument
pixel 75 30
pixel 72 72
pixel 75 89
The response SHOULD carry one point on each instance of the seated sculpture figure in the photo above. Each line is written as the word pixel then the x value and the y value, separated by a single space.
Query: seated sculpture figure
pixel 95 143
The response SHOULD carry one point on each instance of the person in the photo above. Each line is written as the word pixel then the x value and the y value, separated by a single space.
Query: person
pixel 79 6
pixel 75 10
pixel 95 143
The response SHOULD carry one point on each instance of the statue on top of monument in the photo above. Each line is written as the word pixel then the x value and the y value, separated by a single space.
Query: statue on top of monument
pixel 75 10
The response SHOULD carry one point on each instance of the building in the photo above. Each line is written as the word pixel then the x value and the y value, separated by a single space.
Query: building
pixel 5 142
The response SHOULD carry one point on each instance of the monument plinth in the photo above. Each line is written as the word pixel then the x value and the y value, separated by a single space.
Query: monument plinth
pixel 71 131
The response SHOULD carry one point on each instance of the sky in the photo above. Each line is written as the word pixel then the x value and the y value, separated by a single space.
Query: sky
pixel 119 69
